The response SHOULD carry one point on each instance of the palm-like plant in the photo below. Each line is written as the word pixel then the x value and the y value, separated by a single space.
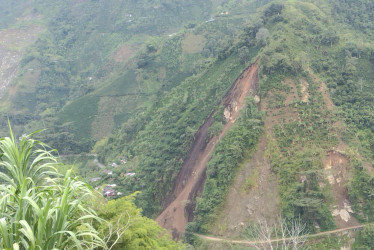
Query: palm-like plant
pixel 39 208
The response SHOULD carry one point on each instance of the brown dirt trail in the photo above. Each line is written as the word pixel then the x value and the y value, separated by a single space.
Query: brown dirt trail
pixel 256 242
pixel 192 175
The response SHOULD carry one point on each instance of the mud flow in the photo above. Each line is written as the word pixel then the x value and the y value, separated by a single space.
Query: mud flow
pixel 180 204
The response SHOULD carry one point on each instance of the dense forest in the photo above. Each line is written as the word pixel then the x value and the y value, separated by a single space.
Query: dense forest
pixel 124 88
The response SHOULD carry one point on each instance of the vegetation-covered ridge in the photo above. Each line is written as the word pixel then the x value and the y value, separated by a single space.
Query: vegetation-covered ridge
pixel 158 140
pixel 191 177
pixel 305 128
pixel 301 45
pixel 87 46
pixel 133 92
pixel 41 208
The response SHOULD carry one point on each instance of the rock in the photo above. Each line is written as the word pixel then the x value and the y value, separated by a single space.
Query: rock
pixel 344 215
pixel 347 206
pixel 257 99
pixel 331 179
pixel 335 212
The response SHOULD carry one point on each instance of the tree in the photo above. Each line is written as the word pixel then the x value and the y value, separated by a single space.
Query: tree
pixel 128 229
pixel 39 208
pixel 273 9
pixel 364 239
pixel 262 36
pixel 281 235
pixel 305 61
pixel 243 54
pixel 329 37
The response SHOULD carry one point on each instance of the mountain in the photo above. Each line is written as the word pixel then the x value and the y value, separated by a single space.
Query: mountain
pixel 223 114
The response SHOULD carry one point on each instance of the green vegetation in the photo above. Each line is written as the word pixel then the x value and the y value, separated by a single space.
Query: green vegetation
pixel 42 209
pixel 10 10
pixel 304 41
pixel 126 80
pixel 158 147
pixel 364 239
pixel 292 52
pixel 141 232
pixel 87 46
pixel 330 242
pixel 361 192
pixel 237 144
pixel 250 182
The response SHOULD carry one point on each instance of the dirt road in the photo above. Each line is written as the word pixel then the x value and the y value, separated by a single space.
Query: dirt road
pixel 192 175
pixel 252 243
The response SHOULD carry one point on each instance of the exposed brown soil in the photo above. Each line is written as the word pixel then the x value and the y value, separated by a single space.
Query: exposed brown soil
pixel 326 96
pixel 283 114
pixel 123 54
pixel 304 90
pixel 250 203
pixel 337 173
pixel 192 175
pixel 337 170
pixel 260 202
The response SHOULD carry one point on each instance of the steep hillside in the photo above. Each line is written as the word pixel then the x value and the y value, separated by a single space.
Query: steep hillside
pixel 83 59
pixel 317 158
pixel 180 203
pixel 312 163
pixel 157 94
pixel 306 164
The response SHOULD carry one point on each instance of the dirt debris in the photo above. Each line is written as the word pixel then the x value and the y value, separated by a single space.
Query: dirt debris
pixel 259 202
pixel 336 166
pixel 191 177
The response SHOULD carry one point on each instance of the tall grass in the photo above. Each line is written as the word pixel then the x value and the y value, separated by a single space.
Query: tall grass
pixel 39 208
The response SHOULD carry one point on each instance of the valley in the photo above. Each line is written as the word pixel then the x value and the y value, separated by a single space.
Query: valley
pixel 195 124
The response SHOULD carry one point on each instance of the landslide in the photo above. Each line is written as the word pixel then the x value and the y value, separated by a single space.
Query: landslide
pixel 191 177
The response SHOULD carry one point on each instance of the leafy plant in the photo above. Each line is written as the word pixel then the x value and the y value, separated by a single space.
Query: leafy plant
pixel 38 208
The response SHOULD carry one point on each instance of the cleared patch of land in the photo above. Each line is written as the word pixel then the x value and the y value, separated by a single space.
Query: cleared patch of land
pixel 123 53
pixel 193 43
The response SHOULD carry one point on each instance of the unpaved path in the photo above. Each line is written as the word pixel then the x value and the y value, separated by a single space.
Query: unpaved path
pixel 252 243
pixel 192 174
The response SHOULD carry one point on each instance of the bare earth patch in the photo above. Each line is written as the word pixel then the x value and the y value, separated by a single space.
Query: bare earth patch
pixel 191 177
pixel 337 169
pixel 249 204
pixel 337 173
pixel 261 201
pixel 193 43
pixel 123 53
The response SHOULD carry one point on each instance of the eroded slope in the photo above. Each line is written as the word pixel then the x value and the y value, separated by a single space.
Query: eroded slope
pixel 174 217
